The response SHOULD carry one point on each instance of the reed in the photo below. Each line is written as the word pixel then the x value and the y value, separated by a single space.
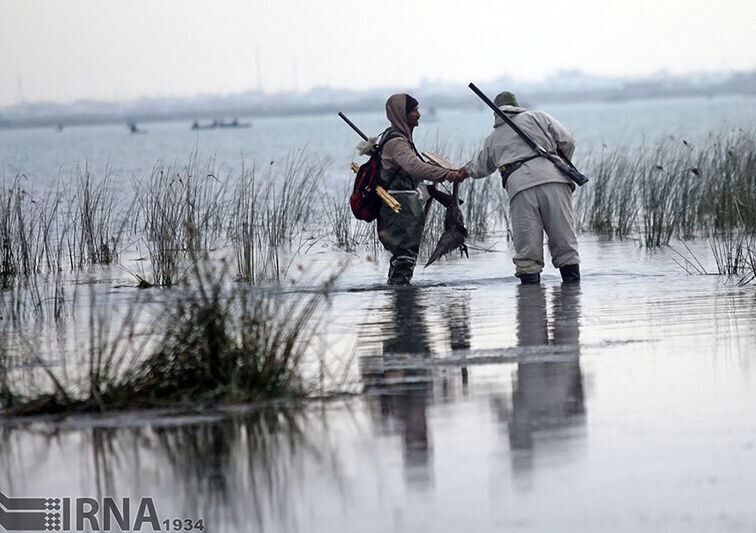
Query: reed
pixel 289 196
pixel 242 347
pixel 731 251
pixel 184 213
pixel 25 224
pixel 671 189
pixel 485 207
pixel 339 218
pixel 286 211
pixel 749 276
pixel 207 341
pixel 97 232
pixel 271 214
pixel 65 227
pixel 244 226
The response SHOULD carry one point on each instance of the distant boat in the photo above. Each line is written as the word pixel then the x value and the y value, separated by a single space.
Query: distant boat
pixel 234 124
pixel 220 124
pixel 133 128
pixel 197 126
pixel 59 127
pixel 430 115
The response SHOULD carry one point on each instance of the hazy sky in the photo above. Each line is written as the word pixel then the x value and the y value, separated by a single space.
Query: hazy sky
pixel 120 49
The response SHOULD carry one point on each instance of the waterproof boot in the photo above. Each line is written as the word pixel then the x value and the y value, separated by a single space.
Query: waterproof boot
pixel 400 272
pixel 529 279
pixel 570 273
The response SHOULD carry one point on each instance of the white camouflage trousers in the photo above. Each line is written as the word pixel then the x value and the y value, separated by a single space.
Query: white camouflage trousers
pixel 546 207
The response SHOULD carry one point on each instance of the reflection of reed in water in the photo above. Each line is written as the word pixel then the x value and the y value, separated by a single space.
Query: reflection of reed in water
pixel 245 468
pixel 547 394
pixel 238 472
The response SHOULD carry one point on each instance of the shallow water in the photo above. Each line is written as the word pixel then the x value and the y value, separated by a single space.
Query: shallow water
pixel 622 404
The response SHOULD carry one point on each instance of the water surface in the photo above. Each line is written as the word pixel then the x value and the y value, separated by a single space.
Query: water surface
pixel 622 404
pixel 43 154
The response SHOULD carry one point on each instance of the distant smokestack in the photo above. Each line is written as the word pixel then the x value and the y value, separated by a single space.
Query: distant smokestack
pixel 259 69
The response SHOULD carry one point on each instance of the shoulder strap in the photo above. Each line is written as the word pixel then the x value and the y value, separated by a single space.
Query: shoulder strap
pixel 388 134
pixel 392 133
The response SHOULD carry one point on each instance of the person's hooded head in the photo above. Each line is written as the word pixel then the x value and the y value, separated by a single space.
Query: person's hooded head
pixel 403 113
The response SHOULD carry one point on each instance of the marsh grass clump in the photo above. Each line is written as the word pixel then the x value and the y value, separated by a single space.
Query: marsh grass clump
pixel 347 232
pixel 485 207
pixel 270 215
pixel 28 226
pixel 99 223
pixel 177 212
pixel 72 225
pixel 286 205
pixel 183 212
pixel 673 189
pixel 239 347
pixel 244 229
pixel 338 223
pixel 209 341
pixel 750 261
pixel 731 251
pixel 289 197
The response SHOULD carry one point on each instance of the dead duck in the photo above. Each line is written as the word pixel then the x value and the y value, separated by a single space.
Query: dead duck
pixel 455 231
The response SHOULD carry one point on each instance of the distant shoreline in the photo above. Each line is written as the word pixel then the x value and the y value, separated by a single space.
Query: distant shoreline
pixel 67 120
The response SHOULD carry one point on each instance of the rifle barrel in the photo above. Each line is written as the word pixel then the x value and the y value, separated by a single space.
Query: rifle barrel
pixel 351 125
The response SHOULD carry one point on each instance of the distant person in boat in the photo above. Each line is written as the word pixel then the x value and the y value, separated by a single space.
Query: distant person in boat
pixel 540 196
pixel 402 172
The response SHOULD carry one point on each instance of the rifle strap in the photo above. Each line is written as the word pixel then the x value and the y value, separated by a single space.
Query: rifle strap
pixel 508 169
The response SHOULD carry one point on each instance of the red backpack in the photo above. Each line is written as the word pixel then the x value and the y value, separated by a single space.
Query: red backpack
pixel 364 201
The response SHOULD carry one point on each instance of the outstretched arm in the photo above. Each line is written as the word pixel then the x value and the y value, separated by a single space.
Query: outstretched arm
pixel 404 156
pixel 482 164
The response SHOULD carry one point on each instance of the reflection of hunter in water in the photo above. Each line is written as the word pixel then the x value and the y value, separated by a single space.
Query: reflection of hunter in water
pixel 547 395
pixel 401 379
pixel 457 313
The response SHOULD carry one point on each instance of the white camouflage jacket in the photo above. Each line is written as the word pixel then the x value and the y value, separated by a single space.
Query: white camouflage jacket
pixel 503 146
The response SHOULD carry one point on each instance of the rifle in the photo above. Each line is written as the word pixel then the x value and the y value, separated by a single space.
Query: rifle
pixel 351 125
pixel 560 160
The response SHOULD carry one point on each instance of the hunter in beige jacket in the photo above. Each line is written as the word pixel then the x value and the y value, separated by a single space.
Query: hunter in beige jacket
pixel 539 194
pixel 503 147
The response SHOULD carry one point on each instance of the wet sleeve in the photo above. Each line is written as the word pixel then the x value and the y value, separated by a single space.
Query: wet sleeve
pixel 483 164
pixel 405 157
pixel 564 139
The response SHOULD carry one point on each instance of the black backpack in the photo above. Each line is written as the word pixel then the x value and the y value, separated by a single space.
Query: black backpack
pixel 364 201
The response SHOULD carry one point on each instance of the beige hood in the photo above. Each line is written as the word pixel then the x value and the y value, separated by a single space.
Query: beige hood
pixel 509 110
pixel 396 113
